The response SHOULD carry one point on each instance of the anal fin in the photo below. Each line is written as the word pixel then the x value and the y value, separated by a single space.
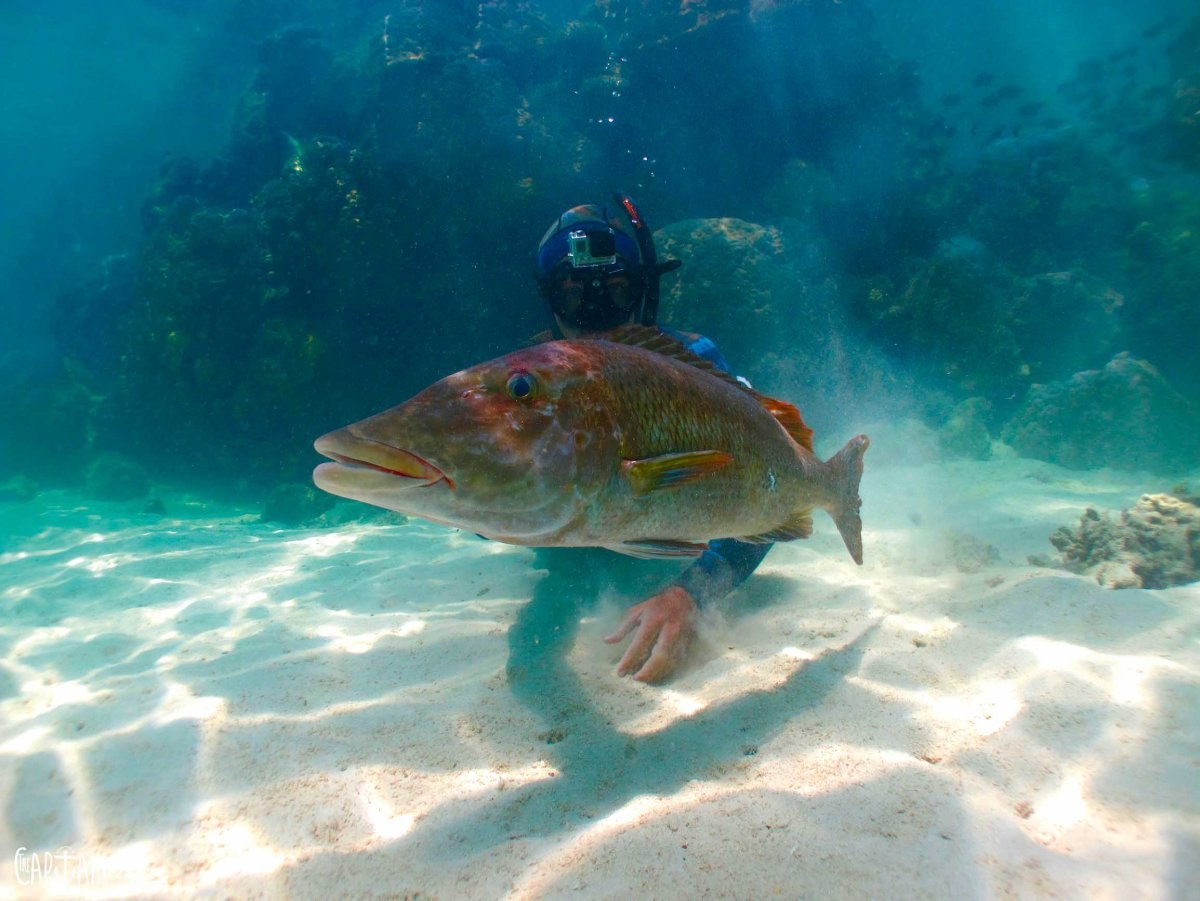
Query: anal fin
pixel 799 526
pixel 651 549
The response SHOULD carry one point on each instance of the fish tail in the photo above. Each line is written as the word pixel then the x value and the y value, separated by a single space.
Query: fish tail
pixel 843 472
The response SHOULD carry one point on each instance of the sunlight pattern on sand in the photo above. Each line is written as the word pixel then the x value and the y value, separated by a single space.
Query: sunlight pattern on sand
pixel 259 707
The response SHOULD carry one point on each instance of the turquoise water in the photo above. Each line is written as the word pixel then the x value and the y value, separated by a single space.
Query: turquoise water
pixel 228 228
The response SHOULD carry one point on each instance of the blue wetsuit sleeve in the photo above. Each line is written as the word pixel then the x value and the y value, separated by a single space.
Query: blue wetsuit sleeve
pixel 723 567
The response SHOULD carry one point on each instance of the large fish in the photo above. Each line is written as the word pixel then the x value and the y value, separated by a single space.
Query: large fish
pixel 625 441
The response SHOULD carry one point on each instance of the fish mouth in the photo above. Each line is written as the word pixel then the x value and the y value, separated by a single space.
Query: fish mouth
pixel 355 453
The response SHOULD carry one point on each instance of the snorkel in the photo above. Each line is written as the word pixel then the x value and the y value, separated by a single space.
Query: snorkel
pixel 645 241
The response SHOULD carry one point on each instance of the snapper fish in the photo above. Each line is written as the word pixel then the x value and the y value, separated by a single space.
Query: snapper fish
pixel 625 440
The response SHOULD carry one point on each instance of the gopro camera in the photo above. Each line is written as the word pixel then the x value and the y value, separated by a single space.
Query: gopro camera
pixel 591 249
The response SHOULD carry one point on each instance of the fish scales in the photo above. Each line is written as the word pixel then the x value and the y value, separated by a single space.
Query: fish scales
pixel 673 407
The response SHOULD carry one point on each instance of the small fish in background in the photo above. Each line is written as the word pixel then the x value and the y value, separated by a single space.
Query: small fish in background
pixel 624 441
pixel 983 79
pixel 1029 109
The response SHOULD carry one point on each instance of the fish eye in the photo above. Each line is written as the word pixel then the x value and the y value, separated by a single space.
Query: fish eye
pixel 520 386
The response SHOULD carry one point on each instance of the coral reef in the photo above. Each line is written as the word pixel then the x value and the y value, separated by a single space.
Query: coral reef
pixel 1065 322
pixel 370 223
pixel 349 247
pixel 1046 200
pixel 271 318
pixel 1155 544
pixel 955 313
pixel 767 295
pixel 740 281
pixel 1124 416
pixel 964 317
pixel 1161 266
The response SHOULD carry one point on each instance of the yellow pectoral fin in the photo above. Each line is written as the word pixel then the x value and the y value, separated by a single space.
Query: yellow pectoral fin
pixel 672 470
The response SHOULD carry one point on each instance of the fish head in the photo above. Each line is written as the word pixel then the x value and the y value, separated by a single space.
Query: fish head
pixel 511 448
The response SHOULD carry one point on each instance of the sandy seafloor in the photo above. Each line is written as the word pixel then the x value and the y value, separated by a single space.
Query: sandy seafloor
pixel 203 705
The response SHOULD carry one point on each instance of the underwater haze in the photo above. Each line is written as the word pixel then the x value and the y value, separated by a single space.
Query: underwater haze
pixel 969 231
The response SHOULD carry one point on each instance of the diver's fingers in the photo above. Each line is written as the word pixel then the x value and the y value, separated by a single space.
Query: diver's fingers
pixel 638 650
pixel 628 624
pixel 670 647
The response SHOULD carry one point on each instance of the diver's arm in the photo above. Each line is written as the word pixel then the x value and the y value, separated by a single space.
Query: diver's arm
pixel 723 567
pixel 661 625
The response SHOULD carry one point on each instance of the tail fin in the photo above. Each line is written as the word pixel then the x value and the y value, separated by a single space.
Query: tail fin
pixel 843 472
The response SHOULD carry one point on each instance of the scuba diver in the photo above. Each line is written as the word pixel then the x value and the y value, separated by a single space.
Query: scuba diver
pixel 597 269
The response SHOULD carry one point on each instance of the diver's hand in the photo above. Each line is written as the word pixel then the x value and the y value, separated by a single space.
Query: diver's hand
pixel 664 630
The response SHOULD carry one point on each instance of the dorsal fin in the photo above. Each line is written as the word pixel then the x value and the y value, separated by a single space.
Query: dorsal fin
pixel 788 416
pixel 654 339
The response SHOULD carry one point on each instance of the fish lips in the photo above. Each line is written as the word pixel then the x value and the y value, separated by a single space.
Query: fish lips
pixel 354 457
